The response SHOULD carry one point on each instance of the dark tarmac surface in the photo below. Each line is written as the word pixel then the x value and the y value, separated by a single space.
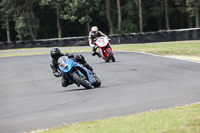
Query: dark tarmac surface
pixel 32 98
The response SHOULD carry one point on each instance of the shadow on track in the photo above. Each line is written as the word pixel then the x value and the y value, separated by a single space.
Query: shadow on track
pixel 82 89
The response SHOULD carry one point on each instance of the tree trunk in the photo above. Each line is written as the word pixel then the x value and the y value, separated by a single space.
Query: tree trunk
pixel 180 20
pixel 119 15
pixel 88 27
pixel 189 20
pixel 166 15
pixel 34 24
pixel 140 15
pixel 59 25
pixel 109 17
pixel 158 16
pixel 30 24
pixel 197 17
pixel 159 23
pixel 8 29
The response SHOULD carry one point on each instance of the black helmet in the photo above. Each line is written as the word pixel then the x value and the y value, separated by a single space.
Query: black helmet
pixel 55 53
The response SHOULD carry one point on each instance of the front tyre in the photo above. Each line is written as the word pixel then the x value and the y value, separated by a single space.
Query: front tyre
pixel 113 59
pixel 98 81
pixel 111 56
pixel 82 80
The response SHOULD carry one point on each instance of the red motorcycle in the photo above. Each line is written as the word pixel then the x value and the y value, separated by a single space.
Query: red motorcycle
pixel 105 49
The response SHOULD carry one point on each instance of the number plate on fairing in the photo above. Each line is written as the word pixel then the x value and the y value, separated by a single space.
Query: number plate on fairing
pixel 102 41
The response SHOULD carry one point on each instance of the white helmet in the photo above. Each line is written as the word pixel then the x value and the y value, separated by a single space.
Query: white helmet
pixel 94 30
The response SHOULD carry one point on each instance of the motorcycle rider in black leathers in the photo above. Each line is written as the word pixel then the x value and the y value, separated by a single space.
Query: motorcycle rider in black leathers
pixel 56 54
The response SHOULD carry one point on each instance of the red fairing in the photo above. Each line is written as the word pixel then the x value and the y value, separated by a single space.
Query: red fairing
pixel 105 49
pixel 109 49
pixel 107 55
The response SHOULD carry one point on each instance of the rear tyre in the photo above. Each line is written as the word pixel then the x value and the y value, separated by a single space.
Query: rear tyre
pixel 82 80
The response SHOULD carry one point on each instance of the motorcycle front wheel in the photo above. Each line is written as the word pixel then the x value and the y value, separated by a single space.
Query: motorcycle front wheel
pixel 98 81
pixel 82 80
pixel 111 56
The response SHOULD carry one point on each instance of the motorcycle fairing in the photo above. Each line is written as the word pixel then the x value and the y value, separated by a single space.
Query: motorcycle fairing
pixel 68 67
pixel 102 42
pixel 84 72
pixel 65 64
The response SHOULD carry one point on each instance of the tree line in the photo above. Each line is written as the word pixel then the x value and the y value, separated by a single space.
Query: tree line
pixel 44 19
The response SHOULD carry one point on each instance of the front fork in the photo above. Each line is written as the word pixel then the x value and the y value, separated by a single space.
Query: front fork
pixel 70 77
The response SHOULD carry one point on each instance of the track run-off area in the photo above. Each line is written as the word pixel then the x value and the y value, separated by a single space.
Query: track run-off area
pixel 32 98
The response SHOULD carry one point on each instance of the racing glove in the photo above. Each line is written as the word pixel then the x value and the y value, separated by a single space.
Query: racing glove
pixel 57 74
pixel 95 46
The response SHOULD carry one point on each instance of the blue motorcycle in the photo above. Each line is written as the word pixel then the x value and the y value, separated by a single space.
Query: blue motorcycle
pixel 78 74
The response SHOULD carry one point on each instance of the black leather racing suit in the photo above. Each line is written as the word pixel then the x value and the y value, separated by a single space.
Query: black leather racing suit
pixel 76 57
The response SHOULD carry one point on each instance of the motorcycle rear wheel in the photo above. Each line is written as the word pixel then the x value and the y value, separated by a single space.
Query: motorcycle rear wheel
pixel 82 81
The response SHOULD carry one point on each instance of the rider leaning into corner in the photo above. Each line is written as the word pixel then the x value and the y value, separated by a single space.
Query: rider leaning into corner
pixel 56 54
pixel 93 36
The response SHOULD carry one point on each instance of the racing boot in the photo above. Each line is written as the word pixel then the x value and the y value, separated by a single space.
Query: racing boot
pixel 88 67
pixel 65 82
pixel 94 51
pixel 82 61
pixel 99 55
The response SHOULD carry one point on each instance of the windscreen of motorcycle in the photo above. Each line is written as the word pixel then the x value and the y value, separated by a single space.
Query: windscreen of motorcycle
pixel 62 61
pixel 102 41
pixel 65 64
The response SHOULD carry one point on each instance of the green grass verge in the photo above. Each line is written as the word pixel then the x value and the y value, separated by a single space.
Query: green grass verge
pixel 25 51
pixel 177 48
pixel 185 119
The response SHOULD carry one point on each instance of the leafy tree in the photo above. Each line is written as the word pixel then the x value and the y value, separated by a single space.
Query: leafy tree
pixel 83 11
pixel 110 22
pixel 79 10
pixel 193 7
pixel 140 14
pixel 130 12
pixel 58 7
pixel 26 23
pixel 6 11
pixel 158 11
pixel 39 19
pixel 119 15
pixel 182 7
pixel 167 15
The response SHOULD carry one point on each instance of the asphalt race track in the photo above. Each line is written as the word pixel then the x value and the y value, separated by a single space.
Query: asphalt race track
pixel 32 98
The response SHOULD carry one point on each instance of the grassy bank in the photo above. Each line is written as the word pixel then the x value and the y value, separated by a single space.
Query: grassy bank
pixel 186 50
pixel 185 119
pixel 177 48
pixel 182 50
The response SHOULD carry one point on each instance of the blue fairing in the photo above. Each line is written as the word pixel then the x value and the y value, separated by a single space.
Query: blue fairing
pixel 91 79
pixel 67 66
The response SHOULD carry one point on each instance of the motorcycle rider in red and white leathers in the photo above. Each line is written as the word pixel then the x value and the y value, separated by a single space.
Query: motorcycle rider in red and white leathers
pixel 93 36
